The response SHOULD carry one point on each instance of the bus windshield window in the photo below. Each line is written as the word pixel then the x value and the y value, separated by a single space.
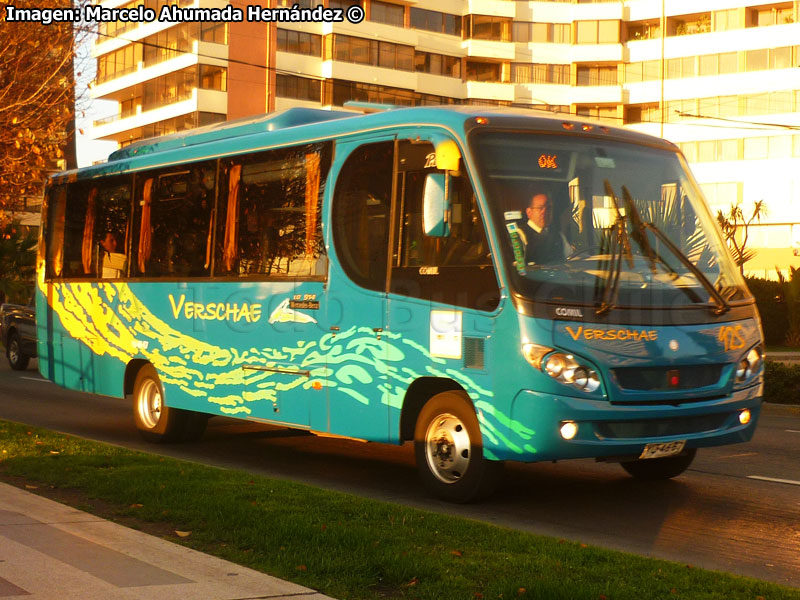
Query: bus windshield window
pixel 603 223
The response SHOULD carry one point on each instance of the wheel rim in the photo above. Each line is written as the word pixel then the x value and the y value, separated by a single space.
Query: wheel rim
pixel 13 351
pixel 149 403
pixel 447 448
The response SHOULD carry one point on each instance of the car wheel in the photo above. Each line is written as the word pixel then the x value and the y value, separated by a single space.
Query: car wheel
pixel 16 358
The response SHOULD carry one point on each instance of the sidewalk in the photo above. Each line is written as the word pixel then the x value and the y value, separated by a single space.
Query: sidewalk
pixel 49 551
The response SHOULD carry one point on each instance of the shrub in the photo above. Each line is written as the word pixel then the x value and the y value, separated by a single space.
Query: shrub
pixel 781 383
pixel 771 301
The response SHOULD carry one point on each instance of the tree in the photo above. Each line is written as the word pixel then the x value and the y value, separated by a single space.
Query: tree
pixel 37 101
pixel 736 229
pixel 17 262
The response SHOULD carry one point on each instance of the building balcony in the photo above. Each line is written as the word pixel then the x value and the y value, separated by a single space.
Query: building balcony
pixel 490 49
pixel 488 90
pixel 596 94
pixel 496 8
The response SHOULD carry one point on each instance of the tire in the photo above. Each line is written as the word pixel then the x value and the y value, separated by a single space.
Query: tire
pixel 449 450
pixel 155 421
pixel 654 469
pixel 16 358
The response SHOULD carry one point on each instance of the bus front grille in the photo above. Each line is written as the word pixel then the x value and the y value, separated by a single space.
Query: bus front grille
pixel 682 377
pixel 660 428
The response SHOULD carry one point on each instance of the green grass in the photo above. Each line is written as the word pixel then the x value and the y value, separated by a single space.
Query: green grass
pixel 345 546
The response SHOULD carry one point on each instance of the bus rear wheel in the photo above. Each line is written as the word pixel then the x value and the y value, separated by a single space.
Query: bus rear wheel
pixel 653 469
pixel 155 421
pixel 449 452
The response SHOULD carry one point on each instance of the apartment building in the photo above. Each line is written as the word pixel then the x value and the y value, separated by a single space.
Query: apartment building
pixel 723 81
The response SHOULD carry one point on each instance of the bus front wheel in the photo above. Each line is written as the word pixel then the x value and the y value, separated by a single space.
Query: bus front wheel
pixel 660 468
pixel 449 452
pixel 155 421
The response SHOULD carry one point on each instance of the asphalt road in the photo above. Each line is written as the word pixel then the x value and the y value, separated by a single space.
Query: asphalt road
pixel 737 509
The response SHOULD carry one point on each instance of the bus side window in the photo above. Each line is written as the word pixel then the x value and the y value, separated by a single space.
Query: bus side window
pixel 361 208
pixel 270 214
pixel 172 221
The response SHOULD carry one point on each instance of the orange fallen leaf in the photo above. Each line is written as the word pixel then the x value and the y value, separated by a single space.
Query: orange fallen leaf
pixel 456 553
pixel 137 505
pixel 302 568
pixel 183 534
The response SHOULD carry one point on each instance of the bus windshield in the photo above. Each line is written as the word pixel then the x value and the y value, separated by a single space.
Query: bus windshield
pixel 602 223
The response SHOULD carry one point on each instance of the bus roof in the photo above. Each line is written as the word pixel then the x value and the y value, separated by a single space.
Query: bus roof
pixel 298 125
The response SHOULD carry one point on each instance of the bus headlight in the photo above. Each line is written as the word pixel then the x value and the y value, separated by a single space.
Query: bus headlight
pixel 562 367
pixel 566 369
pixel 749 365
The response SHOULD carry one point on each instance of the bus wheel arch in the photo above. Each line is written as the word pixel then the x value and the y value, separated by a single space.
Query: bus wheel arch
pixel 448 449
pixel 418 393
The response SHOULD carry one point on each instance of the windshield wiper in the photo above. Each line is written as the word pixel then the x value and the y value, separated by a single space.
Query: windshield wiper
pixel 641 238
pixel 619 246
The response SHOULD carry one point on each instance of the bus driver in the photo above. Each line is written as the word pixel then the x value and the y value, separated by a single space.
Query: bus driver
pixel 543 242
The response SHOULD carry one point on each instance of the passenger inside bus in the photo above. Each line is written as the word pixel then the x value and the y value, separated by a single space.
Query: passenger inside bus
pixel 113 262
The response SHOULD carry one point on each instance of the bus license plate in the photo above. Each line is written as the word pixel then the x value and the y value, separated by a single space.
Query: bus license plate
pixel 663 449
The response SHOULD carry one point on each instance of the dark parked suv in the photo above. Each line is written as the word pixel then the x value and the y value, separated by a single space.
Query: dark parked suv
pixel 18 333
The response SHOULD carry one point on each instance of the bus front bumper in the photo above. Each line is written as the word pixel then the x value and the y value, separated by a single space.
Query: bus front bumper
pixel 605 430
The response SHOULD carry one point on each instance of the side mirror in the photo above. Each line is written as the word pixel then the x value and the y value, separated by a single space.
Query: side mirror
pixel 436 205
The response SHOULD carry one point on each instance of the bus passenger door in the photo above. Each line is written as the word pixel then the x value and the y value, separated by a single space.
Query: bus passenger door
pixel 356 346
pixel 443 290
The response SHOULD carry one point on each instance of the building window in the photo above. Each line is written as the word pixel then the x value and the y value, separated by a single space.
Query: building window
pixel 169 43
pixel 597 75
pixel 342 91
pixel 597 32
pixel 299 42
pixel 213 78
pixel 557 33
pixel 118 63
pixel 215 33
pixel 484 27
pixel 389 14
pixel 539 73
pixel 372 52
pixel 299 88
pixel 431 20
pixel 757 60
pixel 437 64
pixel 487 72
pixel 773 15
pixel 169 89
pixel 725 20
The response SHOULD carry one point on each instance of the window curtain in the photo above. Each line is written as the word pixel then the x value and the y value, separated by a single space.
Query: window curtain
pixel 312 202
pixel 230 249
pixel 145 230
pixel 87 247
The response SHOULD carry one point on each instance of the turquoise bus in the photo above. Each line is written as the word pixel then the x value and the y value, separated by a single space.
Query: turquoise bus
pixel 372 276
